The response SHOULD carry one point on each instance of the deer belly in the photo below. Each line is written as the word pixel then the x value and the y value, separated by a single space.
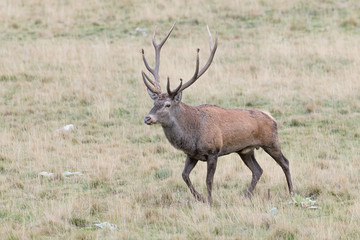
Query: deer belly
pixel 231 149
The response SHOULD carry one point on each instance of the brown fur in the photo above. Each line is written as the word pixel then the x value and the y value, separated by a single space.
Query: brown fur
pixel 215 129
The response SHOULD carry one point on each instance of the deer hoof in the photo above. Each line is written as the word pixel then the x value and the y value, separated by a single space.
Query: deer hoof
pixel 200 198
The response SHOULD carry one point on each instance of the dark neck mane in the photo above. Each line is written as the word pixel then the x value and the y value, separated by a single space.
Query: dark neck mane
pixel 183 132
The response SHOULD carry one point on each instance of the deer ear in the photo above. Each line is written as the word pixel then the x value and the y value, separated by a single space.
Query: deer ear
pixel 178 97
pixel 153 95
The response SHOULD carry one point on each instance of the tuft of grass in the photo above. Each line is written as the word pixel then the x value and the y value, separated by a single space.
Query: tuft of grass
pixel 79 222
pixel 162 174
pixel 349 23
pixel 285 234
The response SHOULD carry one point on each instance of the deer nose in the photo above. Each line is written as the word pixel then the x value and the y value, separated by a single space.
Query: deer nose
pixel 147 120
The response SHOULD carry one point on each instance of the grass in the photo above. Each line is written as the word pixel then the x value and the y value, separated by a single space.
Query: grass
pixel 77 62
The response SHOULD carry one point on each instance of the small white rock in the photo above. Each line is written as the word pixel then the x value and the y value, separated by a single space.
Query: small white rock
pixel 69 174
pixel 46 174
pixel 273 211
pixel 143 31
pixel 66 128
pixel 106 225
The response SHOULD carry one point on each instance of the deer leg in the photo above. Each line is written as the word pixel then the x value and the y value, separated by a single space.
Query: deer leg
pixel 277 155
pixel 252 164
pixel 190 163
pixel 211 167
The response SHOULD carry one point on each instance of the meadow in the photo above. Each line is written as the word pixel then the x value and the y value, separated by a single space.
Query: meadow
pixel 79 62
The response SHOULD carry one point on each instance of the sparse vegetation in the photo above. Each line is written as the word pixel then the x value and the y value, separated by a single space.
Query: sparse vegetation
pixel 79 62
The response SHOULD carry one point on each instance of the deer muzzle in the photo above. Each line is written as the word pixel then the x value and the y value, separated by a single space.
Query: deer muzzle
pixel 149 120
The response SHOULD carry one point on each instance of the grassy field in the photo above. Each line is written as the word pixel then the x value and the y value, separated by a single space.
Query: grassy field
pixel 79 62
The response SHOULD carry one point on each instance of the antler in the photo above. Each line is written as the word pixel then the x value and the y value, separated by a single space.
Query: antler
pixel 197 73
pixel 173 93
pixel 154 71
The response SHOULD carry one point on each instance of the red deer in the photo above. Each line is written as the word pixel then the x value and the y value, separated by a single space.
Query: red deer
pixel 207 132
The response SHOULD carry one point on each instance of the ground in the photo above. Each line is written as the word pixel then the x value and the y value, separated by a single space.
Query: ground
pixel 79 62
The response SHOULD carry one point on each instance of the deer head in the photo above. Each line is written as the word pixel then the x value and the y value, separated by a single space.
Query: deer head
pixel 166 103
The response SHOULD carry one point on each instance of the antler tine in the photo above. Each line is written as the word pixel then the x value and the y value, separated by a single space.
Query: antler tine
pixel 155 71
pixel 156 84
pixel 212 53
pixel 157 53
pixel 146 63
pixel 147 78
pixel 198 73
pixel 195 76
pixel 210 38
pixel 172 93
pixel 164 40
pixel 151 88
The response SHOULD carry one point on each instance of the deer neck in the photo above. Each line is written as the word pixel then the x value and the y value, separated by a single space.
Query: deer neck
pixel 182 131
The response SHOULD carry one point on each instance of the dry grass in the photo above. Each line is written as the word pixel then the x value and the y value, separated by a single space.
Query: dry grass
pixel 79 62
